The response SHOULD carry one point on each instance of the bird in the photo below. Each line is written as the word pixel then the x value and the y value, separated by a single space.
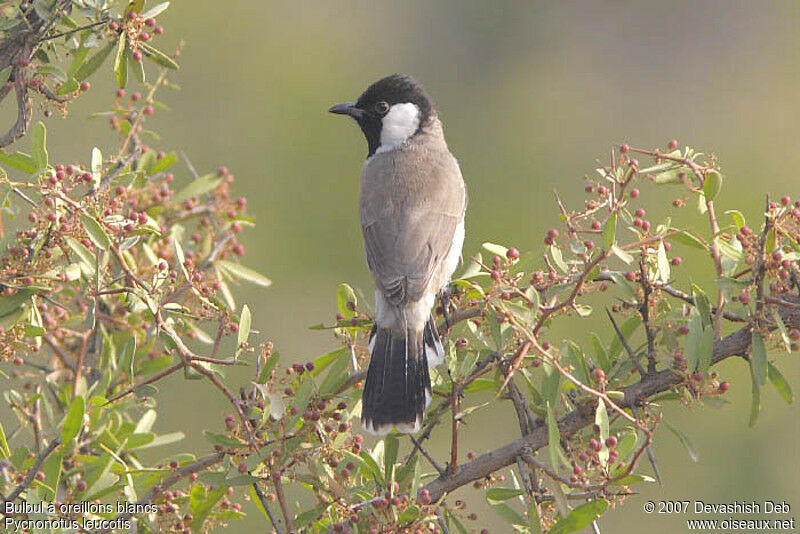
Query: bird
pixel 412 205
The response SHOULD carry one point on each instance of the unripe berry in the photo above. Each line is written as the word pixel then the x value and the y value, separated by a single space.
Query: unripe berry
pixel 599 374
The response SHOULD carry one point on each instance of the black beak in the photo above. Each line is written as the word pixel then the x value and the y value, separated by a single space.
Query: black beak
pixel 347 108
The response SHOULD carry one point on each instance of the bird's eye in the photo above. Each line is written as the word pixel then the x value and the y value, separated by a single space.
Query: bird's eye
pixel 382 107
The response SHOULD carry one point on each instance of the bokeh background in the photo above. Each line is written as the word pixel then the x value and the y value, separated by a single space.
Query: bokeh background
pixel 531 94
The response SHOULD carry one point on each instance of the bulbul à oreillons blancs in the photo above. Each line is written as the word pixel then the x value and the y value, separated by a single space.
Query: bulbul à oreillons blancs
pixel 412 208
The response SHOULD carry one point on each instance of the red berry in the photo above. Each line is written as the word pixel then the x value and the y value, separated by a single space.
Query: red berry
pixel 144 36
pixel 512 254
pixel 683 330
pixel 785 200
pixel 599 374
pixel 119 190
pixel 150 22
pixel 113 25
pixel 242 468
pixel 673 144
pixel 602 190
pixel 634 193
pixel 596 225
pixel 677 260
pixel 148 110
pixel 630 276
pixel 238 249
pixel 23 62
pixel 495 275
pixel 81 485
pixel 724 386
pixel 136 96
pixel 552 233
pixel 85 86
pixel 744 297
pixel 158 30
pixel 611 441
pixel 18 361
pixel 120 93
pixel 697 376
pixel 137 55
pixel 623 148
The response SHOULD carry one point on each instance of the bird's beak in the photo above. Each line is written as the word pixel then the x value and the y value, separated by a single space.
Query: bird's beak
pixel 347 108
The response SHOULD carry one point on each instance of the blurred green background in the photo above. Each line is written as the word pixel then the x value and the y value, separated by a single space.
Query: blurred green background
pixel 530 93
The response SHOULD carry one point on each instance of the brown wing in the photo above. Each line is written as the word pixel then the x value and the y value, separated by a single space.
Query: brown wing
pixel 410 208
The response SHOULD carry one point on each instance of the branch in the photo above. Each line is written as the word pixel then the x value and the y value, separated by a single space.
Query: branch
pixel 168 482
pixel 31 474
pixel 735 344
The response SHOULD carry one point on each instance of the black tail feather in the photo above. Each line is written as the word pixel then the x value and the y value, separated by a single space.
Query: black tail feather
pixel 398 385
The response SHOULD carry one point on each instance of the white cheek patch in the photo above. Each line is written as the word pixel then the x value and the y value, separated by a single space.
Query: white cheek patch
pixel 399 124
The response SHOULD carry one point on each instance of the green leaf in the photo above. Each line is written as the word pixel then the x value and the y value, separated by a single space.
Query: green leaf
pixel 245 273
pixel 755 402
pixel 758 358
pixel 601 420
pixel 244 326
pixel 663 263
pixel 93 63
pixel 4 450
pixel 201 186
pixel 20 161
pixel 158 57
pixel 121 61
pixel 685 441
pixel 621 254
pixel 780 383
pixel 553 436
pixel 346 301
pixel 712 185
pixel 610 232
pixel 11 303
pixel 408 515
pixel 55 71
pixel 580 517
pixel 201 504
pixel 497 250
pixel 738 218
pixel 73 420
pixel 39 146
pixel 5 74
pixel 495 495
pixel 391 445
pixel 97 166
pixel 222 439
pixel 688 239
pixel 508 514
pixel 70 86
pixel 96 232
pixel 155 11
pixel 164 163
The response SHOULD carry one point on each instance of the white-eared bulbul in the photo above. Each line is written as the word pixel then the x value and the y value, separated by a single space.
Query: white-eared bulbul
pixel 412 208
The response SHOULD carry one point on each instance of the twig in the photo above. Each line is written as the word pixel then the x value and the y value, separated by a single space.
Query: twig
pixel 263 499
pixel 168 482
pixel 287 516
pixel 650 454
pixel 427 455
pixel 628 348
pixel 31 474
pixel 166 372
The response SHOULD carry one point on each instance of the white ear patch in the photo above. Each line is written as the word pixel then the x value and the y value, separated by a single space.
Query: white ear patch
pixel 399 124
